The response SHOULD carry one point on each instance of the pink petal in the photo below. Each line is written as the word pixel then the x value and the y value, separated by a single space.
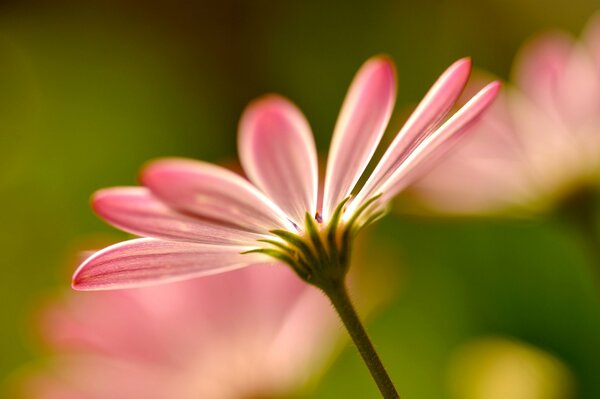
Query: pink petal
pixel 90 324
pixel 580 89
pixel 137 211
pixel 147 261
pixel 308 327
pixel 434 146
pixel 423 121
pixel 540 65
pixel 277 152
pixel 364 116
pixel 213 192
pixel 562 78
pixel 488 171
pixel 98 377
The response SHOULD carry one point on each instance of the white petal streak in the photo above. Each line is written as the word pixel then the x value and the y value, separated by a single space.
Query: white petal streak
pixel 421 124
pixel 147 261
pixel 137 211
pixel 213 192
pixel 278 153
pixel 430 150
pixel 364 116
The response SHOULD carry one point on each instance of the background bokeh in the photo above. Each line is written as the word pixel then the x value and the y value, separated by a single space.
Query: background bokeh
pixel 89 91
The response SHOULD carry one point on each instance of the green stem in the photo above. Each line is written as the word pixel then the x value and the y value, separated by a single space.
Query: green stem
pixel 338 296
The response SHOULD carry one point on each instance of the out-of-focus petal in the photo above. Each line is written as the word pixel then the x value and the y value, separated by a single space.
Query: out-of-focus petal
pixel 148 261
pixel 91 324
pixel 362 121
pixel 309 325
pixel 540 65
pixel 99 377
pixel 436 144
pixel 561 76
pixel 278 154
pixel 214 193
pixel 420 125
pixel 137 211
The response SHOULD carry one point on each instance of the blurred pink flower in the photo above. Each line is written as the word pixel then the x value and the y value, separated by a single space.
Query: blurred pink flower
pixel 202 219
pixel 252 333
pixel 538 143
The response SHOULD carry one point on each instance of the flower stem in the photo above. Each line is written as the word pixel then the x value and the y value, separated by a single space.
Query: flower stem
pixel 338 295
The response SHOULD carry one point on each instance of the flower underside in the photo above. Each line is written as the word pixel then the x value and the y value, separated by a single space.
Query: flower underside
pixel 320 253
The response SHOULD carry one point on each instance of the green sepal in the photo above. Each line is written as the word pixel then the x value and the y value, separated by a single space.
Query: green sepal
pixel 333 225
pixel 371 219
pixel 302 272
pixel 315 237
pixel 272 253
pixel 361 210
pixel 297 242
pixel 279 245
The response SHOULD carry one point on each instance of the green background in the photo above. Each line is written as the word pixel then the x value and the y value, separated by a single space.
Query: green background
pixel 90 92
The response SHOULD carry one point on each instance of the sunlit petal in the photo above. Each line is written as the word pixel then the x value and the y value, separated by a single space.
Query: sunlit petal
pixel 148 261
pixel 278 154
pixel 136 210
pixel 362 121
pixel 213 192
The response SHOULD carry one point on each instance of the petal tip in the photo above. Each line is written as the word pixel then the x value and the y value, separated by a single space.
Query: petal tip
pixel 77 281
pixel 266 102
pixel 104 199
pixel 466 61
pixel 461 68
pixel 384 64
pixel 98 200
pixel 492 89
pixel 383 60
pixel 260 110
pixel 155 168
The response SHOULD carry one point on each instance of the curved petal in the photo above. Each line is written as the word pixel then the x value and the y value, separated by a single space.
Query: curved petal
pixel 278 153
pixel 137 211
pixel 147 261
pixel 364 116
pixel 213 193
pixel 421 124
pixel 432 148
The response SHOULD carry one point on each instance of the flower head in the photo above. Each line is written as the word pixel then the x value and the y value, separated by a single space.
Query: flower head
pixel 201 219
pixel 539 144
pixel 253 333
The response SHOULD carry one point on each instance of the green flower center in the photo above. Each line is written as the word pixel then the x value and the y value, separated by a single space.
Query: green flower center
pixel 320 253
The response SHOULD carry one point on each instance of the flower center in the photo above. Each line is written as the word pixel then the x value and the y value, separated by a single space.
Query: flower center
pixel 320 253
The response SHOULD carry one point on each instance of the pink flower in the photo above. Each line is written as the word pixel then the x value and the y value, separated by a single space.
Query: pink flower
pixel 202 219
pixel 256 332
pixel 539 143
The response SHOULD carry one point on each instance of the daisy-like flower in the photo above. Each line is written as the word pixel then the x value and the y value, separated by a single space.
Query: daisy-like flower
pixel 538 147
pixel 259 332
pixel 201 219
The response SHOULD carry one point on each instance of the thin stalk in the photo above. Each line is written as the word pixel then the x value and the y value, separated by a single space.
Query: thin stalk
pixel 338 295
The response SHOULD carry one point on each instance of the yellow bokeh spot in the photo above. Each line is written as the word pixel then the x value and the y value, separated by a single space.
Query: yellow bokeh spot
pixel 499 368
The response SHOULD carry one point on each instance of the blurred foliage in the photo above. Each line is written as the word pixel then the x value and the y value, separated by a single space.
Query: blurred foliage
pixel 91 90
